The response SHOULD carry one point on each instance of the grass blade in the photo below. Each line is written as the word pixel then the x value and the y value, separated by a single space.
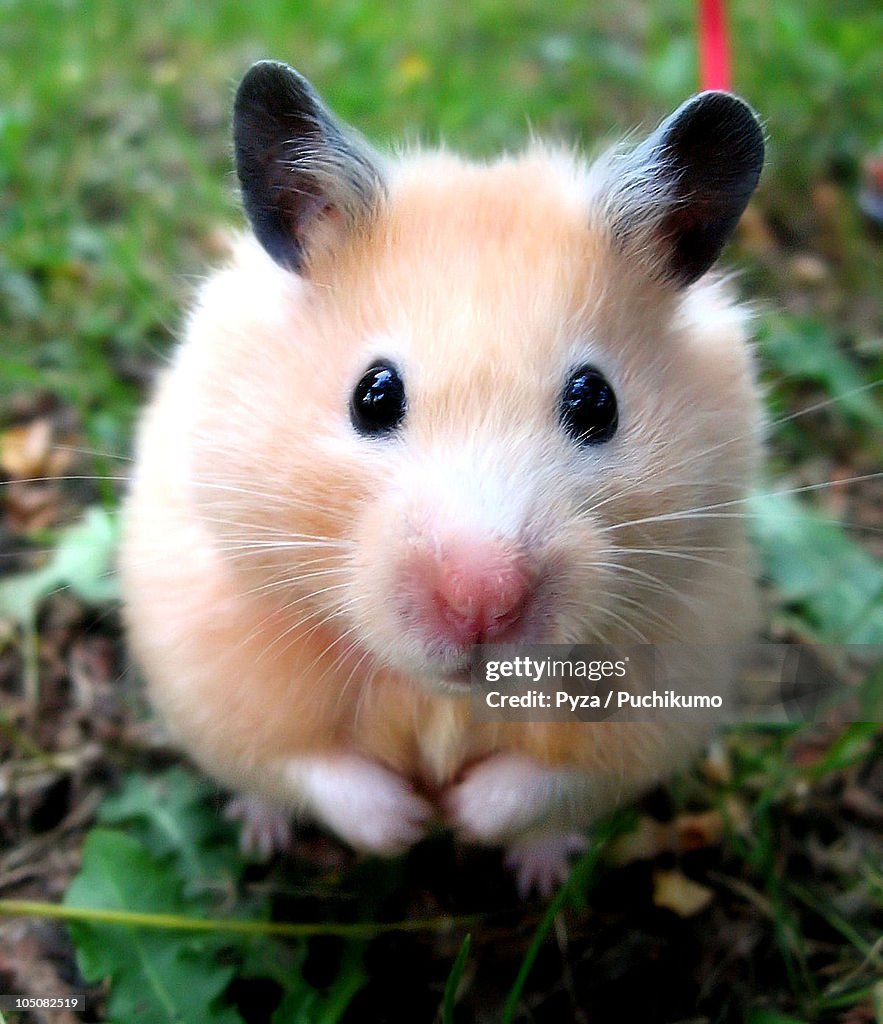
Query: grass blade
pixel 453 982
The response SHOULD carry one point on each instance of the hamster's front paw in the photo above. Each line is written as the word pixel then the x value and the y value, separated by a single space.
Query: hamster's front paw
pixel 543 862
pixel 264 828
pixel 365 804
pixel 500 798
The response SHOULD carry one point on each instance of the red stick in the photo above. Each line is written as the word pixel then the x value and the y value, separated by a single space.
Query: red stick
pixel 714 51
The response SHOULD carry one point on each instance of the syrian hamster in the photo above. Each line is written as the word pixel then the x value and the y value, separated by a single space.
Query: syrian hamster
pixel 432 402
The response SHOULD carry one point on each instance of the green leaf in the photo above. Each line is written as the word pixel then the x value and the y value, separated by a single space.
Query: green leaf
pixel 834 584
pixel 871 696
pixel 176 855
pixel 178 814
pixel 156 977
pixel 82 561
pixel 304 1005
pixel 761 1016
pixel 852 745
pixel 265 957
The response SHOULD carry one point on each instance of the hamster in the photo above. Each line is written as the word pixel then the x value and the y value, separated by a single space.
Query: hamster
pixel 432 402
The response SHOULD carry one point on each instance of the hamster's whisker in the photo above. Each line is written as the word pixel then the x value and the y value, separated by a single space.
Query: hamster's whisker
pixel 366 654
pixel 94 477
pixel 700 510
pixel 284 571
pixel 674 547
pixel 330 646
pixel 816 406
pixel 337 611
pixel 738 438
pixel 323 615
pixel 281 533
pixel 229 488
pixel 586 511
pixel 294 627
pixel 232 552
pixel 658 584
pixel 337 561
pixel 95 452
pixel 279 545
pixel 279 499
pixel 651 615
pixel 623 623
pixel 780 421
pixel 341 658
pixel 280 573
pixel 673 553
pixel 367 685
pixel 747 516
pixel 312 595
pixel 289 581
pixel 280 496
pixel 646 582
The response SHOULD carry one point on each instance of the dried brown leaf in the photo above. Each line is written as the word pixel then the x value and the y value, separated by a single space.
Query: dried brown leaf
pixel 674 891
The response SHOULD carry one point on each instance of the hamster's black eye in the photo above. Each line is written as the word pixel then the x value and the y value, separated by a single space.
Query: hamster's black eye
pixel 378 402
pixel 588 407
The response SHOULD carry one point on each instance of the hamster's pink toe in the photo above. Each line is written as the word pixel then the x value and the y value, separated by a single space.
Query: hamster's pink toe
pixel 264 829
pixel 543 864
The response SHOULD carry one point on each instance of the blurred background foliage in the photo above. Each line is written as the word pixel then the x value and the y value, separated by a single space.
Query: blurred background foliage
pixel 116 191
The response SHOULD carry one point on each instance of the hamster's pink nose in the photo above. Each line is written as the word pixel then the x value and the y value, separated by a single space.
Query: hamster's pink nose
pixel 478 592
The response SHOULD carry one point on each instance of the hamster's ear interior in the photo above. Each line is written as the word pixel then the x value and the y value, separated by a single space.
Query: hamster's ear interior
pixel 301 173
pixel 675 200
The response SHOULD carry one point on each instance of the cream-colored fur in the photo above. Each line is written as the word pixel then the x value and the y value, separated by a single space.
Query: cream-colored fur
pixel 263 534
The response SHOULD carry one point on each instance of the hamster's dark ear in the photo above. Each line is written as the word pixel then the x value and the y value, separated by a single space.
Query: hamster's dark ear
pixel 675 200
pixel 299 169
